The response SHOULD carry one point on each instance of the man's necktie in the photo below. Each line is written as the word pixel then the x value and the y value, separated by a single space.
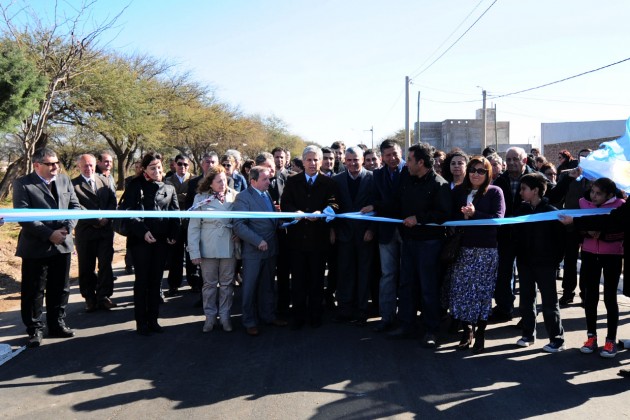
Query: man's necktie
pixel 267 201
pixel 310 182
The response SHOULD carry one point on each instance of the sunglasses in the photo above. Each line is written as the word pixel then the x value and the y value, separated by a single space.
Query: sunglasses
pixel 227 165
pixel 479 171
pixel 49 164
pixel 182 164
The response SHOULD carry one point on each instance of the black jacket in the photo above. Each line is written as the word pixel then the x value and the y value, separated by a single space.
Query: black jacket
pixel 539 242
pixel 144 195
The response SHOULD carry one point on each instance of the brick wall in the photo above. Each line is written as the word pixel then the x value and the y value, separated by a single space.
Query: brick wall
pixel 550 151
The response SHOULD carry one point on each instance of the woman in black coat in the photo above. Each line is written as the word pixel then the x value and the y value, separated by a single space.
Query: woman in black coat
pixel 149 239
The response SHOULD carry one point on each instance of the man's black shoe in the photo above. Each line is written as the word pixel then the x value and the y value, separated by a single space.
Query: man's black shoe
pixel 155 327
pixel 35 339
pixel 60 332
pixel 565 300
pixel 400 334
pixel 383 327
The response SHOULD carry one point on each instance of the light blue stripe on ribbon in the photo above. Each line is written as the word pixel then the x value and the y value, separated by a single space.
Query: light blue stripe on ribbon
pixel 33 215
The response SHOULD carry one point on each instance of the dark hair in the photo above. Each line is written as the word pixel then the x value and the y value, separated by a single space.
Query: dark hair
pixel 262 158
pixel 446 164
pixel 540 159
pixel 388 144
pixel 248 164
pixel 488 151
pixel 40 154
pixel 298 162
pixel 255 172
pixel 475 160
pixel 338 145
pixel 534 149
pixel 150 157
pixel 535 180
pixel 180 157
pixel 362 147
pixel 424 152
pixel 327 150
pixel 371 152
pixel 278 149
pixel 607 185
pixel 105 152
pixel 206 182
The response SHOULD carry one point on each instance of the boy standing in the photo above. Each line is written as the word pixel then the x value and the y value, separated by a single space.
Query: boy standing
pixel 539 250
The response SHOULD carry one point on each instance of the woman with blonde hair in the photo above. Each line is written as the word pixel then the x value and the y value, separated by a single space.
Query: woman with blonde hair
pixel 213 246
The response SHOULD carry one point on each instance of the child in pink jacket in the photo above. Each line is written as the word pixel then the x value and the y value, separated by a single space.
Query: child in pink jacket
pixel 601 251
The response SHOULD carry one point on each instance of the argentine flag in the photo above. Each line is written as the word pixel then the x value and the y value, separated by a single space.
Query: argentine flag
pixel 611 160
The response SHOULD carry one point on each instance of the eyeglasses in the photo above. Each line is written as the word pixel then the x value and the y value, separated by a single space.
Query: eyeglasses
pixel 479 171
pixel 49 164
pixel 182 164
pixel 226 165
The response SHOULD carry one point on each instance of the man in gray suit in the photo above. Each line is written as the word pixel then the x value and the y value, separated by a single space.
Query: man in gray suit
pixel 45 247
pixel 354 239
pixel 260 247
pixel 94 237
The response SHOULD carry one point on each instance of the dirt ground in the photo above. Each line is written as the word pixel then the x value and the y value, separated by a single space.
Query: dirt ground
pixel 10 266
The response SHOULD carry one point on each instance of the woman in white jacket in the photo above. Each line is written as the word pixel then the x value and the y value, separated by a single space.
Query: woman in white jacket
pixel 212 245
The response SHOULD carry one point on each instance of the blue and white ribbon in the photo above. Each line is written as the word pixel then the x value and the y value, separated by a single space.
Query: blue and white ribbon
pixel 33 215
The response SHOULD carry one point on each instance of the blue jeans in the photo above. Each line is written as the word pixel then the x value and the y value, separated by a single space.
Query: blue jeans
pixel 419 284
pixel 390 273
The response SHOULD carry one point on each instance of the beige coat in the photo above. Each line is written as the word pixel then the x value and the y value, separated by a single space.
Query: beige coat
pixel 212 238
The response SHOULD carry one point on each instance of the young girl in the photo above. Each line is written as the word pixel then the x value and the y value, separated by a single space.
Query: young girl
pixel 601 251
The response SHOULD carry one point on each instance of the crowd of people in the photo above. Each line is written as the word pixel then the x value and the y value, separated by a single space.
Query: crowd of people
pixel 357 269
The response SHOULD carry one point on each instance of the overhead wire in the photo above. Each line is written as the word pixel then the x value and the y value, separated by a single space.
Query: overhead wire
pixel 456 41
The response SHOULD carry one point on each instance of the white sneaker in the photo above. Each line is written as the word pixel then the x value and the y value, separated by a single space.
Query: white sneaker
pixel 227 325
pixel 208 325
pixel 525 341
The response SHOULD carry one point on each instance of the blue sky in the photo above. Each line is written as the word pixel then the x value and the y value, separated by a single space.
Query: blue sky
pixel 333 69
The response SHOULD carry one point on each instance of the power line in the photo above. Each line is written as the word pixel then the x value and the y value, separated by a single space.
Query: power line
pixel 448 37
pixel 456 41
pixel 561 80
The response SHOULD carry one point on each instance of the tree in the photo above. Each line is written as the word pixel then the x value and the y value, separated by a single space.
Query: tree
pixel 60 53
pixel 22 86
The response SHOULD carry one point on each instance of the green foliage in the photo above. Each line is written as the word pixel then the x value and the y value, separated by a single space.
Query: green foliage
pixel 22 86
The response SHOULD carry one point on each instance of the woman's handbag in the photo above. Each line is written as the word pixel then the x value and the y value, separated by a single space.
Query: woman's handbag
pixel 451 246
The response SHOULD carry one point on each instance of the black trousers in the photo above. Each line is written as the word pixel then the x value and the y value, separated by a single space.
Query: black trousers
pixel 49 275
pixel 93 286
pixel 307 285
pixel 176 255
pixel 283 274
pixel 149 260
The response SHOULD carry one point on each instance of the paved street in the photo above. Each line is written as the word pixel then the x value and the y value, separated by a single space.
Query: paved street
pixel 336 371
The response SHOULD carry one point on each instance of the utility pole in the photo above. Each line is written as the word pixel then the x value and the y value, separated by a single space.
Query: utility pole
pixel 483 140
pixel 418 121
pixel 496 133
pixel 372 130
pixel 407 135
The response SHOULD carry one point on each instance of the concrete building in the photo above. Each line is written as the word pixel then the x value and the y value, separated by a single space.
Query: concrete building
pixel 467 134
pixel 575 136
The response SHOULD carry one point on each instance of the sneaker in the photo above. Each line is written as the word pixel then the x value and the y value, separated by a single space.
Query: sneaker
pixel 525 341
pixel 208 325
pixel 590 345
pixel 610 350
pixel 554 347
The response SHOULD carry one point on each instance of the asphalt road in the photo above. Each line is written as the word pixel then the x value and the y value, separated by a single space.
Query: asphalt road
pixel 336 371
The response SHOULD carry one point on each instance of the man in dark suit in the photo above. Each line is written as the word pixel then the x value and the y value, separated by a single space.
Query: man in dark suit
pixel 45 247
pixel 260 248
pixel 386 181
pixel 309 239
pixel 354 239
pixel 94 237
pixel 283 265
pixel 179 180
